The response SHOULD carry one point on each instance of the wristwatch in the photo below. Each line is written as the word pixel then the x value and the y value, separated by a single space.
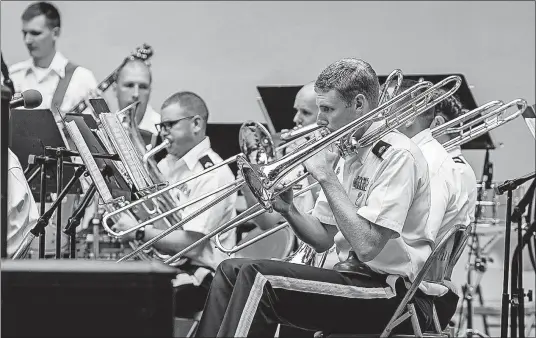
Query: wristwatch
pixel 140 234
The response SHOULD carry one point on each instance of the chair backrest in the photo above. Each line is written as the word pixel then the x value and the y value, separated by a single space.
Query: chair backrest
pixel 278 245
pixel 453 244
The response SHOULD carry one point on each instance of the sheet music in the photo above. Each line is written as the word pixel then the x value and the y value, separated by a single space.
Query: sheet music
pixel 89 161
pixel 110 149
pixel 126 150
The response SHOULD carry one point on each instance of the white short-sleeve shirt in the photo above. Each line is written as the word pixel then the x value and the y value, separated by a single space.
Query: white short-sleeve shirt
pixel 26 76
pixel 469 178
pixel 449 196
pixel 196 160
pixel 389 184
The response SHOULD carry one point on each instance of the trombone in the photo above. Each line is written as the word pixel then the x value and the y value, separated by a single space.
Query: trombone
pixel 262 179
pixel 413 106
pixel 482 124
pixel 498 109
pixel 254 140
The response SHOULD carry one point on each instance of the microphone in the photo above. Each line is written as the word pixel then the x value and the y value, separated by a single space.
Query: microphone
pixel 29 99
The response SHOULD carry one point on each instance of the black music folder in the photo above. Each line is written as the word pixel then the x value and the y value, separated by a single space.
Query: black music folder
pixel 279 103
pixel 31 131
pixel 224 140
pixel 465 96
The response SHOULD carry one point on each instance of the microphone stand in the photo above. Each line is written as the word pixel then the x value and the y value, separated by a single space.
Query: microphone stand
pixel 74 220
pixel 42 222
pixel 518 298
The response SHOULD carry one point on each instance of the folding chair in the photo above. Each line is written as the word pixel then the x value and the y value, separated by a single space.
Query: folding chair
pixel 437 269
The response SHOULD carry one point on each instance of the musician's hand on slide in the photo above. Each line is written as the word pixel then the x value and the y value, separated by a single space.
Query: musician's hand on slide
pixel 124 223
pixel 283 202
pixel 320 166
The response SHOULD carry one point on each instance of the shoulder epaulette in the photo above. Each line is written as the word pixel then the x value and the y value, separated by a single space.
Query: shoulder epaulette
pixel 206 162
pixel 380 148
pixel 17 67
pixel 458 159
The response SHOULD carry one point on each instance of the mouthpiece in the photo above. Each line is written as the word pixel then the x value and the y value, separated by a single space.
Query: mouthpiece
pixel 297 133
pixel 156 150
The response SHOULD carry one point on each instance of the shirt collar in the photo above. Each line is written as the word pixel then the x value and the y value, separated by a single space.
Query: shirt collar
pixel 58 64
pixel 423 137
pixel 192 157
pixel 150 118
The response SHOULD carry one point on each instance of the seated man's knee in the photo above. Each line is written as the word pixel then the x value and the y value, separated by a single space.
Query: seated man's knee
pixel 230 268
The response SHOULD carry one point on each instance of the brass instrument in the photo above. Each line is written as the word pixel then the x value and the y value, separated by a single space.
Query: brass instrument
pixel 263 178
pixel 470 129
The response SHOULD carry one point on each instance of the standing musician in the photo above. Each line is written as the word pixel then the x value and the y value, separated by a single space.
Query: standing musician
pixel 445 111
pixel 184 122
pixel 134 83
pixel 377 206
pixel 60 82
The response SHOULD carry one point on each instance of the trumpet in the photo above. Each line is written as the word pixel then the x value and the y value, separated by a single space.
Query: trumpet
pixel 273 173
pixel 472 129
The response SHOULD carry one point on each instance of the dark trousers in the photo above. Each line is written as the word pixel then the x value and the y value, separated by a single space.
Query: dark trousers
pixel 248 298
pixel 446 307
pixel 190 299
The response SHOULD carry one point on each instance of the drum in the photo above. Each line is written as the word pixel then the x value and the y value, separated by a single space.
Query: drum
pixel 278 245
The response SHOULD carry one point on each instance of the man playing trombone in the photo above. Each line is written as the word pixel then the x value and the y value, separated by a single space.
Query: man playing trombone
pixel 377 206
pixel 184 120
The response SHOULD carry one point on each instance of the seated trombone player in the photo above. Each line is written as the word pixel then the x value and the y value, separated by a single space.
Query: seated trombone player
pixel 451 201
pixel 306 113
pixel 445 111
pixel 377 206
pixel 184 119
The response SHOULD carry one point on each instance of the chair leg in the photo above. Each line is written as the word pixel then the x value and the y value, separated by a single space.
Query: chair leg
pixel 435 318
pixel 394 323
pixel 414 321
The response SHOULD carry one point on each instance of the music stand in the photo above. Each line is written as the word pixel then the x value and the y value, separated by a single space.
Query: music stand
pixel 31 131
pixel 224 140
pixel 530 118
pixel 115 181
pixel 279 103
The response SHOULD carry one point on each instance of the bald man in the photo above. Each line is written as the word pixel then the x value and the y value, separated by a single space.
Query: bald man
pixel 133 83
pixel 305 106
pixel 306 113
pixel 184 122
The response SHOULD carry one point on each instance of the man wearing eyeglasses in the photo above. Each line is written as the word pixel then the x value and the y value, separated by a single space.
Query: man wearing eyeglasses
pixel 184 120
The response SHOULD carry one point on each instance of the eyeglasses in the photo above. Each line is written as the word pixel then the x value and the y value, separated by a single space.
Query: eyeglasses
pixel 167 125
